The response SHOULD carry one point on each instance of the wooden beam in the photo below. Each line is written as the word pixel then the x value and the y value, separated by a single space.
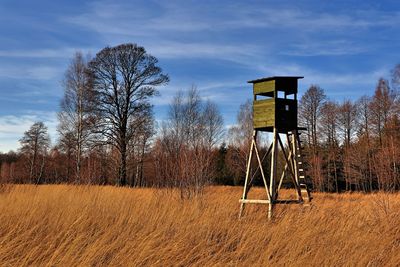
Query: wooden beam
pixel 272 182
pixel 274 157
pixel 245 190
pixel 258 167
pixel 254 201
pixel 262 171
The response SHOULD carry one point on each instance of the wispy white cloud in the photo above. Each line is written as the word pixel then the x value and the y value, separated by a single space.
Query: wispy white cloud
pixel 171 30
pixel 35 72
pixel 203 50
pixel 128 19
pixel 221 92
pixel 349 79
pixel 290 17
pixel 138 20
pixel 326 48
pixel 40 53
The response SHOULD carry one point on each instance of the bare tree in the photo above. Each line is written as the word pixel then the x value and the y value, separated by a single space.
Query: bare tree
pixel 67 145
pixel 364 115
pixel 396 77
pixel 125 77
pixel 76 116
pixel 240 136
pixel 329 122
pixel 143 129
pixel 34 145
pixel 347 116
pixel 346 120
pixel 381 106
pixel 364 140
pixel 328 128
pixel 192 130
pixel 310 108
pixel 213 125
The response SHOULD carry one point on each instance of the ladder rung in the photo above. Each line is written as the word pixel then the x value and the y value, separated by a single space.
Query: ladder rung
pixel 299 162
pixel 302 177
pixel 301 170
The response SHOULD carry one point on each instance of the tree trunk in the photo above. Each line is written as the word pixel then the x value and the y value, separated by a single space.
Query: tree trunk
pixel 122 168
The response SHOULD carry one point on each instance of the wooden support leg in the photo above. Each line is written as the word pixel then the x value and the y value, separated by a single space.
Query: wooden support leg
pixel 270 207
pixel 272 185
pixel 246 184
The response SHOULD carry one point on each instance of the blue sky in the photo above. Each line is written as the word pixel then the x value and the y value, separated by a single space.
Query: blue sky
pixel 343 46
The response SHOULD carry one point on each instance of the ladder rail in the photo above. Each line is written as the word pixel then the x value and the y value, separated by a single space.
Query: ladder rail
pixel 304 185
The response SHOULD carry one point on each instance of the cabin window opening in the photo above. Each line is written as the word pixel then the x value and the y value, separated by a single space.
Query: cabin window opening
pixel 291 96
pixel 262 97
pixel 281 94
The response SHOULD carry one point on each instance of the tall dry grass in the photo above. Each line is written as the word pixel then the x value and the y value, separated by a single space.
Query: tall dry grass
pixel 92 226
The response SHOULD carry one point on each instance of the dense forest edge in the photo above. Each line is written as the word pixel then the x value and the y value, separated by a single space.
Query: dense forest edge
pixel 108 134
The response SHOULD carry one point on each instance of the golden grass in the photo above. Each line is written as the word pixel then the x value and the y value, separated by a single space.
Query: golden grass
pixel 92 226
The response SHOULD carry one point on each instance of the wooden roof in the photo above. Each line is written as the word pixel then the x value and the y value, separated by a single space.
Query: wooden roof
pixel 275 78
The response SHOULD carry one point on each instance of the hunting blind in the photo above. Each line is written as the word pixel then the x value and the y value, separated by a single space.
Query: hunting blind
pixel 275 111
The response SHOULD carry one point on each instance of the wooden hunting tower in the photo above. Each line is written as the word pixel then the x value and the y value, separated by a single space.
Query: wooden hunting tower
pixel 278 108
pixel 275 111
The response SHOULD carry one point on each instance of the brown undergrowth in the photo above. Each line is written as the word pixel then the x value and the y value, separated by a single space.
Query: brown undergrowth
pixel 60 225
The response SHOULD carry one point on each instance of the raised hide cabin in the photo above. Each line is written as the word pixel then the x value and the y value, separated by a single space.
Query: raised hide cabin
pixel 275 103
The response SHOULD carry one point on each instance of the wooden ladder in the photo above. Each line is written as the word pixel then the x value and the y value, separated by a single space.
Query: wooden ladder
pixel 299 165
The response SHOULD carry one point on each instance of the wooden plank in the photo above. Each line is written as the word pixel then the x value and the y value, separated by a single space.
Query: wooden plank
pixel 264 87
pixel 254 201
pixel 265 101
pixel 264 113
pixel 263 124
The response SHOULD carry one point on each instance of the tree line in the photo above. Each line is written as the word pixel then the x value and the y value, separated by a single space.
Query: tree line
pixel 353 145
pixel 108 133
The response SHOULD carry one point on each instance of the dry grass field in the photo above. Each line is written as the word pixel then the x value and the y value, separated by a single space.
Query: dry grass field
pixel 93 226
